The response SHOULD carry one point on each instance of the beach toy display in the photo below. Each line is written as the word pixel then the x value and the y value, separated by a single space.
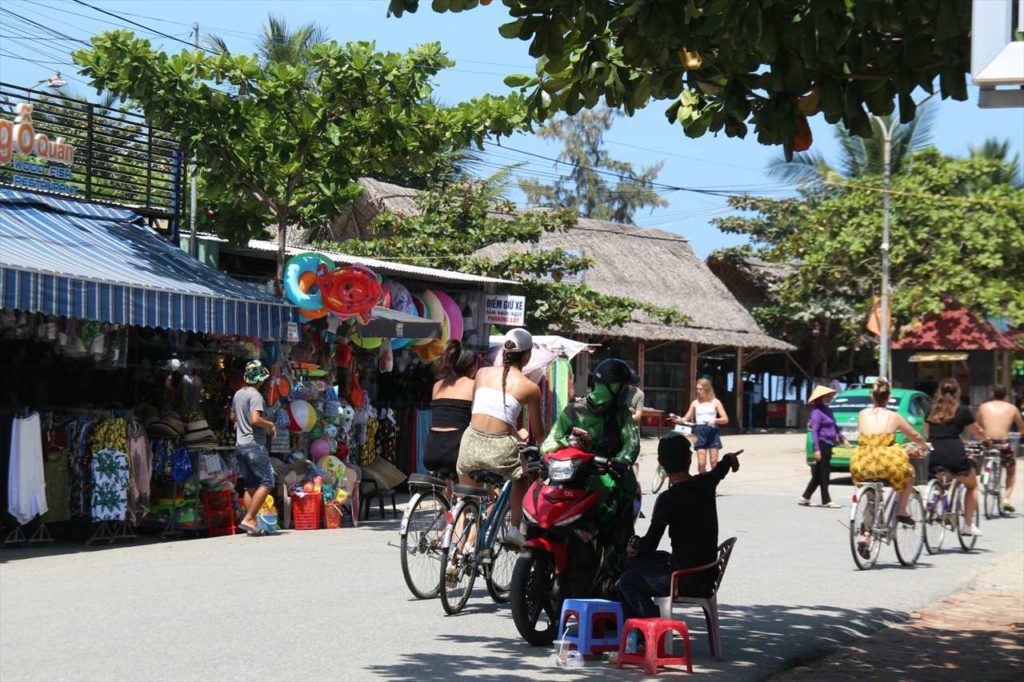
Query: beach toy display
pixel 302 416
pixel 350 291
pixel 301 285
pixel 401 300
pixel 453 315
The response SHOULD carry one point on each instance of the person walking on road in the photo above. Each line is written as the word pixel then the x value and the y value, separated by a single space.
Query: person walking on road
pixel 252 458
pixel 824 435
pixel 995 418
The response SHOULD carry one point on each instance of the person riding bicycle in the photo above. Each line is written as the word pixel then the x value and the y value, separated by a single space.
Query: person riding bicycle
pixel 995 417
pixel 605 421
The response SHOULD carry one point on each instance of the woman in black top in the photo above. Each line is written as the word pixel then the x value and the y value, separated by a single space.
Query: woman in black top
pixel 946 423
pixel 450 408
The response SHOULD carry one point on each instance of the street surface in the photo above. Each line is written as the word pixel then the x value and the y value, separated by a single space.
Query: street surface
pixel 332 604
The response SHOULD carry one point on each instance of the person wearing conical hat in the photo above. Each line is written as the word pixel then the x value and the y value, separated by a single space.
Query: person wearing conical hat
pixel 824 435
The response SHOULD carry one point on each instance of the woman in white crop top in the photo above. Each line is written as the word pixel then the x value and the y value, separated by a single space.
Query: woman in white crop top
pixel 709 414
pixel 492 440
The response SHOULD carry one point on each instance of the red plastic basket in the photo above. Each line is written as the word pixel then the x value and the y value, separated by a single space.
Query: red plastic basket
pixel 306 511
pixel 220 512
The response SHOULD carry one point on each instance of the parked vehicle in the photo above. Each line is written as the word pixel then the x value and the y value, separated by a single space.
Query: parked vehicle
pixel 912 405
pixel 566 553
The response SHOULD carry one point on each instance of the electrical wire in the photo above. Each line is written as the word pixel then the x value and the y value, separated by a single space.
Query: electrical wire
pixel 143 26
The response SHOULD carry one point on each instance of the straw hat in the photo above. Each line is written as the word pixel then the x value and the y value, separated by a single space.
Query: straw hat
pixel 199 433
pixel 820 392
pixel 159 429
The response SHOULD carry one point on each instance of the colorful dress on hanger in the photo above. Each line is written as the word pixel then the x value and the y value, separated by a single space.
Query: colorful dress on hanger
pixel 110 478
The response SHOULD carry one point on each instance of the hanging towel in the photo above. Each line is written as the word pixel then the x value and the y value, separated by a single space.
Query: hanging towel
pixel 26 480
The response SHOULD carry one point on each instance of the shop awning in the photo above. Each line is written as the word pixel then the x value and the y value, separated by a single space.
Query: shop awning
pixel 393 324
pixel 82 260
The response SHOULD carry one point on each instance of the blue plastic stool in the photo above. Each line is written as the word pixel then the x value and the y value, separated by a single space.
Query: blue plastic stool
pixel 588 612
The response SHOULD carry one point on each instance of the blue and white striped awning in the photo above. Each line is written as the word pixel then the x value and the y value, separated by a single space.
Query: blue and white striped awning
pixel 82 260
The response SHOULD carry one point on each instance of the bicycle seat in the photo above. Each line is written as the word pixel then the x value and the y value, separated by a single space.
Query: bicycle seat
pixel 487 477
pixel 425 480
pixel 470 491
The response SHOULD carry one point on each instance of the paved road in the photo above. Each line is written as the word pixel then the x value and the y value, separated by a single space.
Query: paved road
pixel 332 604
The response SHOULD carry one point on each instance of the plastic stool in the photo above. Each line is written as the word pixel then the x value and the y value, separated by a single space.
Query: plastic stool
pixel 656 653
pixel 590 612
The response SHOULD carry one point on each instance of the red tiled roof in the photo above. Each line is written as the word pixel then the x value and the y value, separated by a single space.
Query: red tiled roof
pixel 955 328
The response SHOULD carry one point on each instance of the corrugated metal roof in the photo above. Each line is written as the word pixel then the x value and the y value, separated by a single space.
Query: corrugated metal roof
pixel 384 267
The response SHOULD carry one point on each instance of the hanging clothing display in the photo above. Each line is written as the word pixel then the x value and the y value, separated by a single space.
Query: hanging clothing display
pixel 110 485
pixel 26 481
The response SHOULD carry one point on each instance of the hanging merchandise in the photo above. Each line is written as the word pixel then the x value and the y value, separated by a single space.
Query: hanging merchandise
pixel 301 416
pixel 350 291
pixel 386 359
pixel 26 481
pixel 452 313
pixel 301 284
pixel 364 342
pixel 110 486
pixel 401 300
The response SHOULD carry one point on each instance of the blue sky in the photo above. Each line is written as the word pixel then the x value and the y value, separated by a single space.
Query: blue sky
pixel 484 58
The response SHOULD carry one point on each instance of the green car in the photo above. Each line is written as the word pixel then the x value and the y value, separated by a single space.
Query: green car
pixel 913 405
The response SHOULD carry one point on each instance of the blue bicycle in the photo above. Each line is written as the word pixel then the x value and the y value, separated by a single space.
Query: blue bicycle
pixel 474 540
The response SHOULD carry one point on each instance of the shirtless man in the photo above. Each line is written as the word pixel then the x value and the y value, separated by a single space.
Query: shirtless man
pixel 996 417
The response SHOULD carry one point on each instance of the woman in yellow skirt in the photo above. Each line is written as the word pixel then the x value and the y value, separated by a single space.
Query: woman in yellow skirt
pixel 877 455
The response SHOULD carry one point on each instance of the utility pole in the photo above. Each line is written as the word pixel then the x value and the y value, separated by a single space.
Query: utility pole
pixel 884 368
pixel 193 242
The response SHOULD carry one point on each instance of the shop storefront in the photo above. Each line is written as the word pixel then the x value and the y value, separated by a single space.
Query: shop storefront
pixel 121 349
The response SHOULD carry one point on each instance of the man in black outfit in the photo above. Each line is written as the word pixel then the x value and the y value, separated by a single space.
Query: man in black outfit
pixel 689 512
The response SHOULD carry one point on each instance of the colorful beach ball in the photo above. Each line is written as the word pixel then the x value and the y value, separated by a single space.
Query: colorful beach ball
pixel 319 449
pixel 301 416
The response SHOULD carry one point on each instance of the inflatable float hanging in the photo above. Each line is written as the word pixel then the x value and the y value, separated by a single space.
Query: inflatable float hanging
pixel 401 300
pixel 351 291
pixel 453 313
pixel 300 282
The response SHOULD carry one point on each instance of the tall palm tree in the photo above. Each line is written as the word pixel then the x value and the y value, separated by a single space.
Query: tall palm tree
pixel 859 156
pixel 1009 173
pixel 277 44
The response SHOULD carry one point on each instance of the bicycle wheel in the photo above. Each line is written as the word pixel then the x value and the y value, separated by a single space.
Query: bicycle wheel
pixel 423 531
pixel 864 543
pixel 909 540
pixel 659 479
pixel 503 563
pixel 967 542
pixel 993 494
pixel 934 523
pixel 458 558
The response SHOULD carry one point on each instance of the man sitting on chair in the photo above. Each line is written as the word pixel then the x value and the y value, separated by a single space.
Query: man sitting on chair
pixel 689 511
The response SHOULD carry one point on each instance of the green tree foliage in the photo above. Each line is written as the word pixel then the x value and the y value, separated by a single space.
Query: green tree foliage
pixel 953 234
pixel 859 156
pixel 724 64
pixel 457 221
pixel 588 189
pixel 285 144
pixel 1009 171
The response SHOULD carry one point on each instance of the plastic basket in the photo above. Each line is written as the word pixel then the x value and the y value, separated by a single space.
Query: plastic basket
pixel 306 511
pixel 220 512
pixel 332 515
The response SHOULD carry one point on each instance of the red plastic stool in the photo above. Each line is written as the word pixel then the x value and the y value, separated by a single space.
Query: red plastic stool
pixel 656 654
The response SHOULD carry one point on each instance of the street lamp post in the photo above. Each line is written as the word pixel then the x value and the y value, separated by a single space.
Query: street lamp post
pixel 52 81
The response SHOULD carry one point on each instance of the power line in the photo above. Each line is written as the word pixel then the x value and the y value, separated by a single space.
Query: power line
pixel 48 29
pixel 142 26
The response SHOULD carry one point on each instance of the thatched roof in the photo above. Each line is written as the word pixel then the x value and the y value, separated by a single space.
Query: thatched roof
pixel 751 280
pixel 660 268
pixel 649 265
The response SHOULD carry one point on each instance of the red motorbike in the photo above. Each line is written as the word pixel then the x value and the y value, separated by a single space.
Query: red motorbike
pixel 566 553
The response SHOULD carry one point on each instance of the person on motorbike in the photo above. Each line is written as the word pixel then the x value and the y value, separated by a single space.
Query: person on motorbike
pixel 605 424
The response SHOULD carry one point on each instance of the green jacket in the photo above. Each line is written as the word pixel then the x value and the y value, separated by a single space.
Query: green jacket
pixel 578 415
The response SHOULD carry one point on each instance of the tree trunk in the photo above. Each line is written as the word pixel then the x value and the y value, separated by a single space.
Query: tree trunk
pixel 282 243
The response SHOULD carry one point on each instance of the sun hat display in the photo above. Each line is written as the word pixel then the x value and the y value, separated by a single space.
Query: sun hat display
pixel 159 429
pixel 255 372
pixel 198 433
pixel 820 392
pixel 174 420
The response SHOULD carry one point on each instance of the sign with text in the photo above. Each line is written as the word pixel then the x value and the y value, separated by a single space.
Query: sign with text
pixel 505 309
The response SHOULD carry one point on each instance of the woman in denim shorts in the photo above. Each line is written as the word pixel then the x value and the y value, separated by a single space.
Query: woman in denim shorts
pixel 709 414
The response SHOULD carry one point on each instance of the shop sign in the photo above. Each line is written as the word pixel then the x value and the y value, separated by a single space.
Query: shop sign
pixel 20 137
pixel 505 309
pixel 292 332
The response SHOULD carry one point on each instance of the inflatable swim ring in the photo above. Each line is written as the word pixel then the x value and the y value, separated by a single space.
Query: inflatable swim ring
pixel 350 291
pixel 437 314
pixel 295 271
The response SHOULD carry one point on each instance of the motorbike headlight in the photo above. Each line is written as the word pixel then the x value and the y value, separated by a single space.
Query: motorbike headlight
pixel 562 469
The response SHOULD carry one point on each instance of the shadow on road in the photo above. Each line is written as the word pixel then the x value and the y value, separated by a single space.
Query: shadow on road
pixel 757 641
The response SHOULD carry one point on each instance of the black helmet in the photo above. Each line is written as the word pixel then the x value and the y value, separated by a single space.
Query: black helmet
pixel 612 371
